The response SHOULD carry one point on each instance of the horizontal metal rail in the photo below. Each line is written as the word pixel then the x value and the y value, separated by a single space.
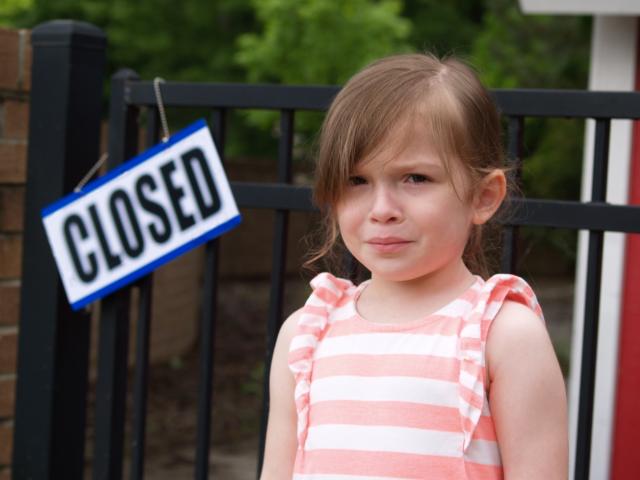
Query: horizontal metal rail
pixel 530 212
pixel 230 95
pixel 520 102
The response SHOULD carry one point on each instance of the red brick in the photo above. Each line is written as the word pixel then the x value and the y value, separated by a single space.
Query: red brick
pixel 11 208
pixel 24 80
pixel 9 305
pixel 10 256
pixel 5 474
pixel 8 350
pixel 7 396
pixel 13 162
pixel 6 442
pixel 16 119
pixel 10 71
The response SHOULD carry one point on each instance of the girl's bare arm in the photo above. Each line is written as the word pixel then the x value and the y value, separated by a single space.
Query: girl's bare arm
pixel 527 396
pixel 281 443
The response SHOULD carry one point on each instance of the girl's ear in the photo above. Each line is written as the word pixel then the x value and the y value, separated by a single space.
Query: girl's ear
pixel 489 196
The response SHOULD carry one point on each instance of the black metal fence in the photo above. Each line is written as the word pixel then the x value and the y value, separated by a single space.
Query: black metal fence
pixel 68 60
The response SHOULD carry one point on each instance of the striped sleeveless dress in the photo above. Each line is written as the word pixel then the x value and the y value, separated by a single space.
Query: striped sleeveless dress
pixel 390 401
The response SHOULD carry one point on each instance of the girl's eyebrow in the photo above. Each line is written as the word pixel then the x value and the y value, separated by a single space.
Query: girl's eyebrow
pixel 413 165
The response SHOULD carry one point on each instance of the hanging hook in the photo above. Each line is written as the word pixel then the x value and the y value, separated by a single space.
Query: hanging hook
pixel 91 171
pixel 163 118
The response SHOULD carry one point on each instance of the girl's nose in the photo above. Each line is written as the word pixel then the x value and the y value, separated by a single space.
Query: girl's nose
pixel 385 206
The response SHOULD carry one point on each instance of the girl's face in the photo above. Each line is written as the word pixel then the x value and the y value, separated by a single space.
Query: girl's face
pixel 403 216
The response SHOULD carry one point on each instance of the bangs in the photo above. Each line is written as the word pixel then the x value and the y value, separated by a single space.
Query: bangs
pixel 442 98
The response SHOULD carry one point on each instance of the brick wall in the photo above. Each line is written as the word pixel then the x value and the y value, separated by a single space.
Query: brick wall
pixel 15 61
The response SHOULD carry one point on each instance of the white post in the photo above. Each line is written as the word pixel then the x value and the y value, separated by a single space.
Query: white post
pixel 613 56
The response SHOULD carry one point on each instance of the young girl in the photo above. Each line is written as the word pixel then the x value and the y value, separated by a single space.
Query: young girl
pixel 426 370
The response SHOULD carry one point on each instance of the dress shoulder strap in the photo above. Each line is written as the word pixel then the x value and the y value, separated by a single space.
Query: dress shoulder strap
pixel 473 336
pixel 327 293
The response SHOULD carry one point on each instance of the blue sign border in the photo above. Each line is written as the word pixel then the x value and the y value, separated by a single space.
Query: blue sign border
pixel 211 234
pixel 128 165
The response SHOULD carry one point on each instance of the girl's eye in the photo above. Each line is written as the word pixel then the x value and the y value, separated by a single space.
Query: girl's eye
pixel 355 180
pixel 417 178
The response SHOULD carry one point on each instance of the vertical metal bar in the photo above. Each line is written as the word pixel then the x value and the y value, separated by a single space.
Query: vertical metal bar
pixel 53 345
pixel 514 151
pixel 278 269
pixel 208 328
pixel 592 306
pixel 140 386
pixel 113 342
pixel 141 377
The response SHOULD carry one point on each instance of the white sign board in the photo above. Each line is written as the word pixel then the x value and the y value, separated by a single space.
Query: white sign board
pixel 156 206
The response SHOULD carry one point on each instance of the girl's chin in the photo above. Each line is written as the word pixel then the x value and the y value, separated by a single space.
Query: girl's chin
pixel 397 275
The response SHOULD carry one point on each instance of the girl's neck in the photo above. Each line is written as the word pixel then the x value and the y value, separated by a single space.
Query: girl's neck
pixel 397 301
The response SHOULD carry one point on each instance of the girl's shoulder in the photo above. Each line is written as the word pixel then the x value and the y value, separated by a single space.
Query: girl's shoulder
pixel 517 321
pixel 501 291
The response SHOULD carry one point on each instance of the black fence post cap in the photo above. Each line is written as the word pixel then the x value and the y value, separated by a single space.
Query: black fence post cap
pixel 63 33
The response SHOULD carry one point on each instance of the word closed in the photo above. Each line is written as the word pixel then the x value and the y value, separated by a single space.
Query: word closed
pixel 156 206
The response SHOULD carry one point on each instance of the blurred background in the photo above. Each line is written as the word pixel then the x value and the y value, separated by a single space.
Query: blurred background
pixel 313 42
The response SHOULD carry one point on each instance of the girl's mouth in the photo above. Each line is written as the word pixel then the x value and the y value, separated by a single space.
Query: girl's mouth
pixel 387 244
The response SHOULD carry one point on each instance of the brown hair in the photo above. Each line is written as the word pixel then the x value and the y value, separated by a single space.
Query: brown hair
pixel 444 95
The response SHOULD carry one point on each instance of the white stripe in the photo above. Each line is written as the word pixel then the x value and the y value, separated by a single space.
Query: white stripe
pixel 492 309
pixel 471 330
pixel 315 301
pixel 467 407
pixel 457 308
pixel 343 477
pixel 303 341
pixel 383 343
pixel 384 439
pixel 485 452
pixel 342 313
pixel 320 476
pixel 301 389
pixel 469 381
pixel 385 389
pixel 311 320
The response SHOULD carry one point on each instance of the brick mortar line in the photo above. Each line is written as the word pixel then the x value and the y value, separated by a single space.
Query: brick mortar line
pixel 8 376
pixel 8 329
pixel 10 282
pixel 13 141
pixel 9 94
pixel 21 54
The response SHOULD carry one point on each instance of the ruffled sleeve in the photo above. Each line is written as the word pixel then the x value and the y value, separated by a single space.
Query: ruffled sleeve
pixel 491 296
pixel 312 323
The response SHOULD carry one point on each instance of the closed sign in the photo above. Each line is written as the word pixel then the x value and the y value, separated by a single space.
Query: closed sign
pixel 158 205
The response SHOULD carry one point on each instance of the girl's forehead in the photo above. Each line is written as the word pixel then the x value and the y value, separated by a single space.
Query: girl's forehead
pixel 401 147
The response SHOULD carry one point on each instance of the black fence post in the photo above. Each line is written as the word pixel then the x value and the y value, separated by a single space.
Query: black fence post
pixel 64 133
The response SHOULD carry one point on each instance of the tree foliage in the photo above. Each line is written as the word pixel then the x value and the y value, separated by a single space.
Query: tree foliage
pixel 315 41
pixel 325 42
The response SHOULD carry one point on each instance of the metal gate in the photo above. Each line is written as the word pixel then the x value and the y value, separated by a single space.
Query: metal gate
pixel 68 61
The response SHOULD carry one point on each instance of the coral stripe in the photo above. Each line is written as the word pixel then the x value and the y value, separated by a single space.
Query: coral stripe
pixel 437 368
pixel 385 464
pixel 399 414
pixel 352 324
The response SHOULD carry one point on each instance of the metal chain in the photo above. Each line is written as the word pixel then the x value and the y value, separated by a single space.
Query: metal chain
pixel 163 117
pixel 91 171
pixel 165 137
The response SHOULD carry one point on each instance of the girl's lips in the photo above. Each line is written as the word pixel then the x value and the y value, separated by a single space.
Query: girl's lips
pixel 388 244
